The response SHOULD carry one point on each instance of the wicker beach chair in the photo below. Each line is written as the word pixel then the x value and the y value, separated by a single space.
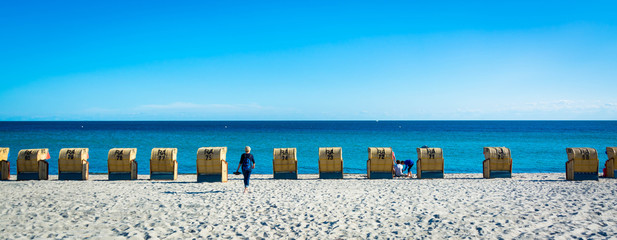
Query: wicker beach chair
pixel 497 162
pixel 5 165
pixel 611 163
pixel 380 162
pixel 163 164
pixel 285 163
pixel 430 162
pixel 331 163
pixel 582 164
pixel 212 164
pixel 121 164
pixel 32 164
pixel 73 164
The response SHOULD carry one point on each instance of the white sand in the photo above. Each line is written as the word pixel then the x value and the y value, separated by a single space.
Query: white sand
pixel 460 206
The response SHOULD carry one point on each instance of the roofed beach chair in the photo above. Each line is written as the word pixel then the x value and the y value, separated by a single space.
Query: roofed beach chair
pixel 121 164
pixel 430 162
pixel 611 163
pixel 32 164
pixel 163 164
pixel 5 165
pixel 212 164
pixel 497 162
pixel 380 162
pixel 285 163
pixel 582 164
pixel 73 164
pixel 331 163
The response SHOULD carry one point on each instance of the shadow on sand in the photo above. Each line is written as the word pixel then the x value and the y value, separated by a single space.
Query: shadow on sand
pixel 194 193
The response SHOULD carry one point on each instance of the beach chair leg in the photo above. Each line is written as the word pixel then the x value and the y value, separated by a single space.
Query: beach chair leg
pixel 133 170
pixel 175 170
pixel 610 171
pixel 43 170
pixel 486 171
pixel 368 169
pixel 84 171
pixel 569 170
pixel 5 173
pixel 419 169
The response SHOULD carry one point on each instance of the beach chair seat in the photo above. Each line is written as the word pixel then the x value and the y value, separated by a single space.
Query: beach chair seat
pixel 73 164
pixel 5 165
pixel 163 164
pixel 582 164
pixel 611 163
pixel 32 164
pixel 497 162
pixel 285 163
pixel 380 162
pixel 212 164
pixel 121 164
pixel 330 163
pixel 430 163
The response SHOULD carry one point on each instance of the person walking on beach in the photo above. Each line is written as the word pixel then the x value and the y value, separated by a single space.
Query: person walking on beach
pixel 247 162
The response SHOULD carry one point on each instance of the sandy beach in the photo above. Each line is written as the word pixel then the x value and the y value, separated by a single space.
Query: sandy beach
pixel 460 206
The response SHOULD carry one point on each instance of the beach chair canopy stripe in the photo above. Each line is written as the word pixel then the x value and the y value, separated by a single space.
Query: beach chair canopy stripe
pixel 163 159
pixel 4 154
pixel 432 159
pixel 330 159
pixel 499 158
pixel 28 159
pixel 284 160
pixel 212 153
pixel 585 159
pixel 72 159
pixel 380 159
pixel 330 153
pixel 211 160
pixel 120 159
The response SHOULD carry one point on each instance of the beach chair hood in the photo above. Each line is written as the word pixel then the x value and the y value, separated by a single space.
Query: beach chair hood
pixel 120 159
pixel 27 159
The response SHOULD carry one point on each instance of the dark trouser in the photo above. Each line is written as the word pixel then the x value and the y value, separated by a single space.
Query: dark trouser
pixel 408 168
pixel 247 176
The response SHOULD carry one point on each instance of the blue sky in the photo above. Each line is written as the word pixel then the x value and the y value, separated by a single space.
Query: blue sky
pixel 313 60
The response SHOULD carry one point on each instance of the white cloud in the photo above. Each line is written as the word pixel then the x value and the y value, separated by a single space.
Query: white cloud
pixel 185 106
pixel 544 110
pixel 565 105
pixel 181 111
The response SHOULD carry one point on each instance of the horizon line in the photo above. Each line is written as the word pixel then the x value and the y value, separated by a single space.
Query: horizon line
pixel 323 120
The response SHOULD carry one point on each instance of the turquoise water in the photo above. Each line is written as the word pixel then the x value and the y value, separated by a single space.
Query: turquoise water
pixel 536 146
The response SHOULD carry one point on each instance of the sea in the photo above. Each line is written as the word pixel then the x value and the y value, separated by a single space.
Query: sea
pixel 536 146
